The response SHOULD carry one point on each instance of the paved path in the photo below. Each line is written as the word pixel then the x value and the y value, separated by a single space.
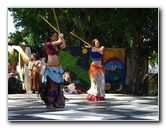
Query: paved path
pixel 117 107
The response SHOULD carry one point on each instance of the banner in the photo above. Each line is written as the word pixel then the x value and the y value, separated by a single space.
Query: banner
pixel 114 64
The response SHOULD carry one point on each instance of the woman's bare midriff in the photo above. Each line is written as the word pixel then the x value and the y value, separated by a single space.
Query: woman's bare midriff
pixel 53 61
pixel 98 63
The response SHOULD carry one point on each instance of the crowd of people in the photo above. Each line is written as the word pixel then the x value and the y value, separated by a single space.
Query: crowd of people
pixel 54 82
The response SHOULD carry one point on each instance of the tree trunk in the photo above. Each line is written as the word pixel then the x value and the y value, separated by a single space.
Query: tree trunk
pixel 133 86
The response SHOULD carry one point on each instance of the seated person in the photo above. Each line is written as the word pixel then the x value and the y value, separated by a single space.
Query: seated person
pixel 11 72
pixel 14 84
pixel 69 86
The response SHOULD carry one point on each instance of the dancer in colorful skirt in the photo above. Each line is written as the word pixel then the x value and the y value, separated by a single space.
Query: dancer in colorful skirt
pixel 52 90
pixel 96 73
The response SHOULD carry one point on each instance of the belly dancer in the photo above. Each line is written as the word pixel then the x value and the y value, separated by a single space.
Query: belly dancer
pixel 96 73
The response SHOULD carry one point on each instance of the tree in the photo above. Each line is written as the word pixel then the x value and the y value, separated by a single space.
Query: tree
pixel 131 28
pixel 143 26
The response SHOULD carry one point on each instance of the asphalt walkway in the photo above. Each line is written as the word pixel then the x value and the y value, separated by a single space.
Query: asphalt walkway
pixel 117 107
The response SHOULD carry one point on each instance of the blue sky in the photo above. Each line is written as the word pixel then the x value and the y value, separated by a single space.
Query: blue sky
pixel 11 27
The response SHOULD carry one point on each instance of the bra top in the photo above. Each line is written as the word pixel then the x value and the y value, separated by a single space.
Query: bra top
pixel 51 50
pixel 95 55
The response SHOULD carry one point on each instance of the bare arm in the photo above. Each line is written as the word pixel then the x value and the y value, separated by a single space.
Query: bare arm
pixel 63 44
pixel 100 50
pixel 58 42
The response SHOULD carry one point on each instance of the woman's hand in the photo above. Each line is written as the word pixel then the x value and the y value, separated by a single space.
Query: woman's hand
pixel 61 35
pixel 63 43
pixel 100 50
pixel 102 47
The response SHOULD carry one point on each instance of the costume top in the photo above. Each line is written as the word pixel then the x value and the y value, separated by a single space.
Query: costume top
pixel 51 50
pixel 95 55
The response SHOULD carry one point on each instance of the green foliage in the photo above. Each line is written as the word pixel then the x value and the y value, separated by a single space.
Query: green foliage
pixel 9 57
pixel 152 93
pixel 154 58
pixel 152 81
pixel 16 56
pixel 134 28
pixel 112 26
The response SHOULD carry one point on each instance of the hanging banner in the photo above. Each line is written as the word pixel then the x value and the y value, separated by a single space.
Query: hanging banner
pixel 114 64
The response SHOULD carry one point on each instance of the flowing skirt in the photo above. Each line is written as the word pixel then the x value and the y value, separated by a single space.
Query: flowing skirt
pixel 97 77
pixel 52 88
pixel 35 81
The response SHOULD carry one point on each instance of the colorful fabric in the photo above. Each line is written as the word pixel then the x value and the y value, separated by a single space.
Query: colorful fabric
pixel 34 74
pixel 97 77
pixel 35 81
pixel 95 55
pixel 52 89
pixel 51 50
pixel 94 68
pixel 55 73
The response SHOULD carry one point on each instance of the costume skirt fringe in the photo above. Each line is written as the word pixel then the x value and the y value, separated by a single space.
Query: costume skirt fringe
pixel 97 77
pixel 52 88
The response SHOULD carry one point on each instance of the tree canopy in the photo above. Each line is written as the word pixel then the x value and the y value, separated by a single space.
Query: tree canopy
pixel 112 26
pixel 135 29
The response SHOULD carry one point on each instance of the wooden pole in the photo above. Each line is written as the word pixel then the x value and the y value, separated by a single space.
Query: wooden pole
pixel 81 39
pixel 56 20
pixel 49 23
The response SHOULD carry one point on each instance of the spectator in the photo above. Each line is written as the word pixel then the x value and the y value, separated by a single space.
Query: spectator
pixel 34 74
pixel 14 84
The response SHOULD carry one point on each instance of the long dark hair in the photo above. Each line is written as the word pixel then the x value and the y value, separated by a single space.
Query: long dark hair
pixel 49 34
pixel 36 55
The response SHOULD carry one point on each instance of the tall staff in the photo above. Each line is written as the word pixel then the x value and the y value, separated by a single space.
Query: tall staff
pixel 88 45
pixel 56 20
pixel 49 23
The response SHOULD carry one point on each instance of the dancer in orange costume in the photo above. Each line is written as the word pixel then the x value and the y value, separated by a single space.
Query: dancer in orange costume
pixel 96 73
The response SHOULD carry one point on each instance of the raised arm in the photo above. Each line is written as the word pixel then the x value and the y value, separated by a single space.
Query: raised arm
pixel 100 50
pixel 60 41
pixel 63 43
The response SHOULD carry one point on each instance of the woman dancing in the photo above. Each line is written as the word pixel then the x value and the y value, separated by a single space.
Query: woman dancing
pixel 96 73
pixel 52 90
